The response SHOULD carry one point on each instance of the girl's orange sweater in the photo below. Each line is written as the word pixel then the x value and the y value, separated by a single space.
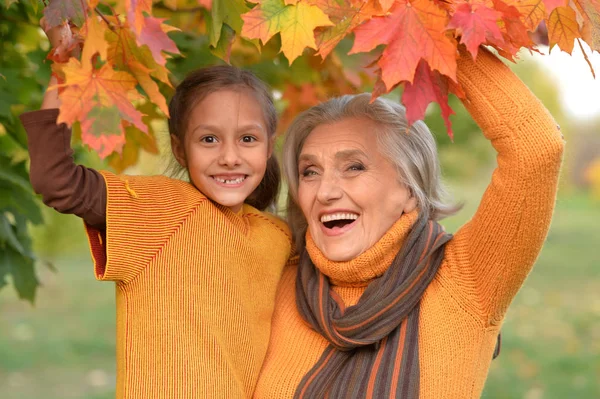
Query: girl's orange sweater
pixel 195 288
pixel 485 263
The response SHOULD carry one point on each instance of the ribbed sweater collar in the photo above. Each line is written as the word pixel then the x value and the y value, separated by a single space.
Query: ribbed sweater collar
pixel 370 264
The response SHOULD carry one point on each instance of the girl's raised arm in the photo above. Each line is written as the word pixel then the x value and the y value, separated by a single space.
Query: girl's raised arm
pixel 497 248
pixel 64 186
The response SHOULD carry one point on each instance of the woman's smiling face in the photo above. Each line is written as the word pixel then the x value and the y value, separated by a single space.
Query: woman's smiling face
pixel 349 192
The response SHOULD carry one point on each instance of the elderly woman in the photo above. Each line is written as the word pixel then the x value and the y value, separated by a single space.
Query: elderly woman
pixel 382 302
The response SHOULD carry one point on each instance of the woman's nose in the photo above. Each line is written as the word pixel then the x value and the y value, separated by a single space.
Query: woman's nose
pixel 229 155
pixel 329 189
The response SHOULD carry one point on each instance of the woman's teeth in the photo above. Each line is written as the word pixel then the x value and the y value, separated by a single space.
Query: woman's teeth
pixel 338 216
pixel 229 181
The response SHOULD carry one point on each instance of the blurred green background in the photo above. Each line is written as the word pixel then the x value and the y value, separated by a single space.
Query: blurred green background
pixel 64 346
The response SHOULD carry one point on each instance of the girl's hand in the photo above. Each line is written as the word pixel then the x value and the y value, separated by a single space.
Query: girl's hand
pixel 64 39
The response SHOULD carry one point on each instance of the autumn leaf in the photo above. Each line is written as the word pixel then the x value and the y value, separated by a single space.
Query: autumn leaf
pixel 226 12
pixel 59 11
pixel 154 35
pixel 102 130
pixel 124 53
pixel 590 13
pixel 99 99
pixel 429 86
pixel 345 16
pixel 137 141
pixel 95 42
pixel 563 28
pixel 413 30
pixel 552 4
pixel 514 30
pixel 476 25
pixel 135 13
pixel 295 23
pixel 533 11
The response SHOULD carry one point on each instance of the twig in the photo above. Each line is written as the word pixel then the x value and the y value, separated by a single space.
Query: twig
pixel 586 58
pixel 110 26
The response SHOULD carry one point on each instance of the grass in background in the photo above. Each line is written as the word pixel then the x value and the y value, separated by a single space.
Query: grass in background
pixel 64 347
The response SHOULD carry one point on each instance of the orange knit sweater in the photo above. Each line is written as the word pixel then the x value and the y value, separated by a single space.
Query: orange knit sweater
pixel 195 288
pixel 484 265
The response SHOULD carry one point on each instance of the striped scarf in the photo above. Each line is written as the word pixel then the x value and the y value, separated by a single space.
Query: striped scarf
pixel 373 347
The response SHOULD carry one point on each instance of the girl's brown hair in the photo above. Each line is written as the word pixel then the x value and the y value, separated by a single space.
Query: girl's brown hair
pixel 202 82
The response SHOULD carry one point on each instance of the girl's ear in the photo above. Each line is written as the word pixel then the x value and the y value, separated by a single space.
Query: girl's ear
pixel 271 145
pixel 178 150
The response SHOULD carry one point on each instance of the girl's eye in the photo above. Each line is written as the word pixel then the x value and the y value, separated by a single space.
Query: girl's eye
pixel 209 139
pixel 248 139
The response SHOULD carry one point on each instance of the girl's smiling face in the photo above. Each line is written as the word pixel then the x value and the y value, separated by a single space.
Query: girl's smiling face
pixel 226 146
pixel 349 192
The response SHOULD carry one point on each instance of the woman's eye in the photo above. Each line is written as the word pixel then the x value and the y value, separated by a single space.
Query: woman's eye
pixel 356 167
pixel 308 172
pixel 208 139
pixel 248 139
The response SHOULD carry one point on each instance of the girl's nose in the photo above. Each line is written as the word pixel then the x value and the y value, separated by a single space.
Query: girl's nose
pixel 229 156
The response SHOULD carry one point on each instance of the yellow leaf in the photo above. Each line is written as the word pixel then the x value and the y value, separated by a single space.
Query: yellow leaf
pixel 589 11
pixel 563 28
pixel 295 23
pixel 95 42
pixel 532 11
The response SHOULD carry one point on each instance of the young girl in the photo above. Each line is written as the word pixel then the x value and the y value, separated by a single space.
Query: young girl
pixel 196 265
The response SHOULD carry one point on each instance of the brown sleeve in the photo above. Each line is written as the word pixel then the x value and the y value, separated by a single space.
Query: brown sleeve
pixel 64 186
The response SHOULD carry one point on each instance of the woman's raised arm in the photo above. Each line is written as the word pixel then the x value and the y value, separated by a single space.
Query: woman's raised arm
pixel 497 248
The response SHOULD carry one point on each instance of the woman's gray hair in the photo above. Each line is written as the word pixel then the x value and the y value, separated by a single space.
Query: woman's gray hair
pixel 411 149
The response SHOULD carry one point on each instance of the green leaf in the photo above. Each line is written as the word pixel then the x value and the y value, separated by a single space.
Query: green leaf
pixel 225 11
pixel 8 235
pixel 7 4
pixel 223 47
pixel 21 270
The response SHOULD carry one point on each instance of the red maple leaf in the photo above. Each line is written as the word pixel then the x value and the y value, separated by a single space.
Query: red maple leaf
pixel 429 86
pixel 154 36
pixel 413 30
pixel 476 24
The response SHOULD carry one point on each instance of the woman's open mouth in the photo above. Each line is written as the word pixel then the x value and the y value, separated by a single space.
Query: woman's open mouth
pixel 338 223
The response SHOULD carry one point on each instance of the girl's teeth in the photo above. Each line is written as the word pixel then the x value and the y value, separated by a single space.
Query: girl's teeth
pixel 230 181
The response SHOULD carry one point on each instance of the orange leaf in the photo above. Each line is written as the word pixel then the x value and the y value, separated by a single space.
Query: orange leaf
pixel 345 15
pixel 99 99
pixel 413 30
pixel 477 24
pixel 514 30
pixel 295 23
pixel 429 86
pixel 533 11
pixel 386 4
pixel 563 28
pixel 552 4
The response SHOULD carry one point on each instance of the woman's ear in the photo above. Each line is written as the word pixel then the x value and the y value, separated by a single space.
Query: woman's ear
pixel 411 204
pixel 178 150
